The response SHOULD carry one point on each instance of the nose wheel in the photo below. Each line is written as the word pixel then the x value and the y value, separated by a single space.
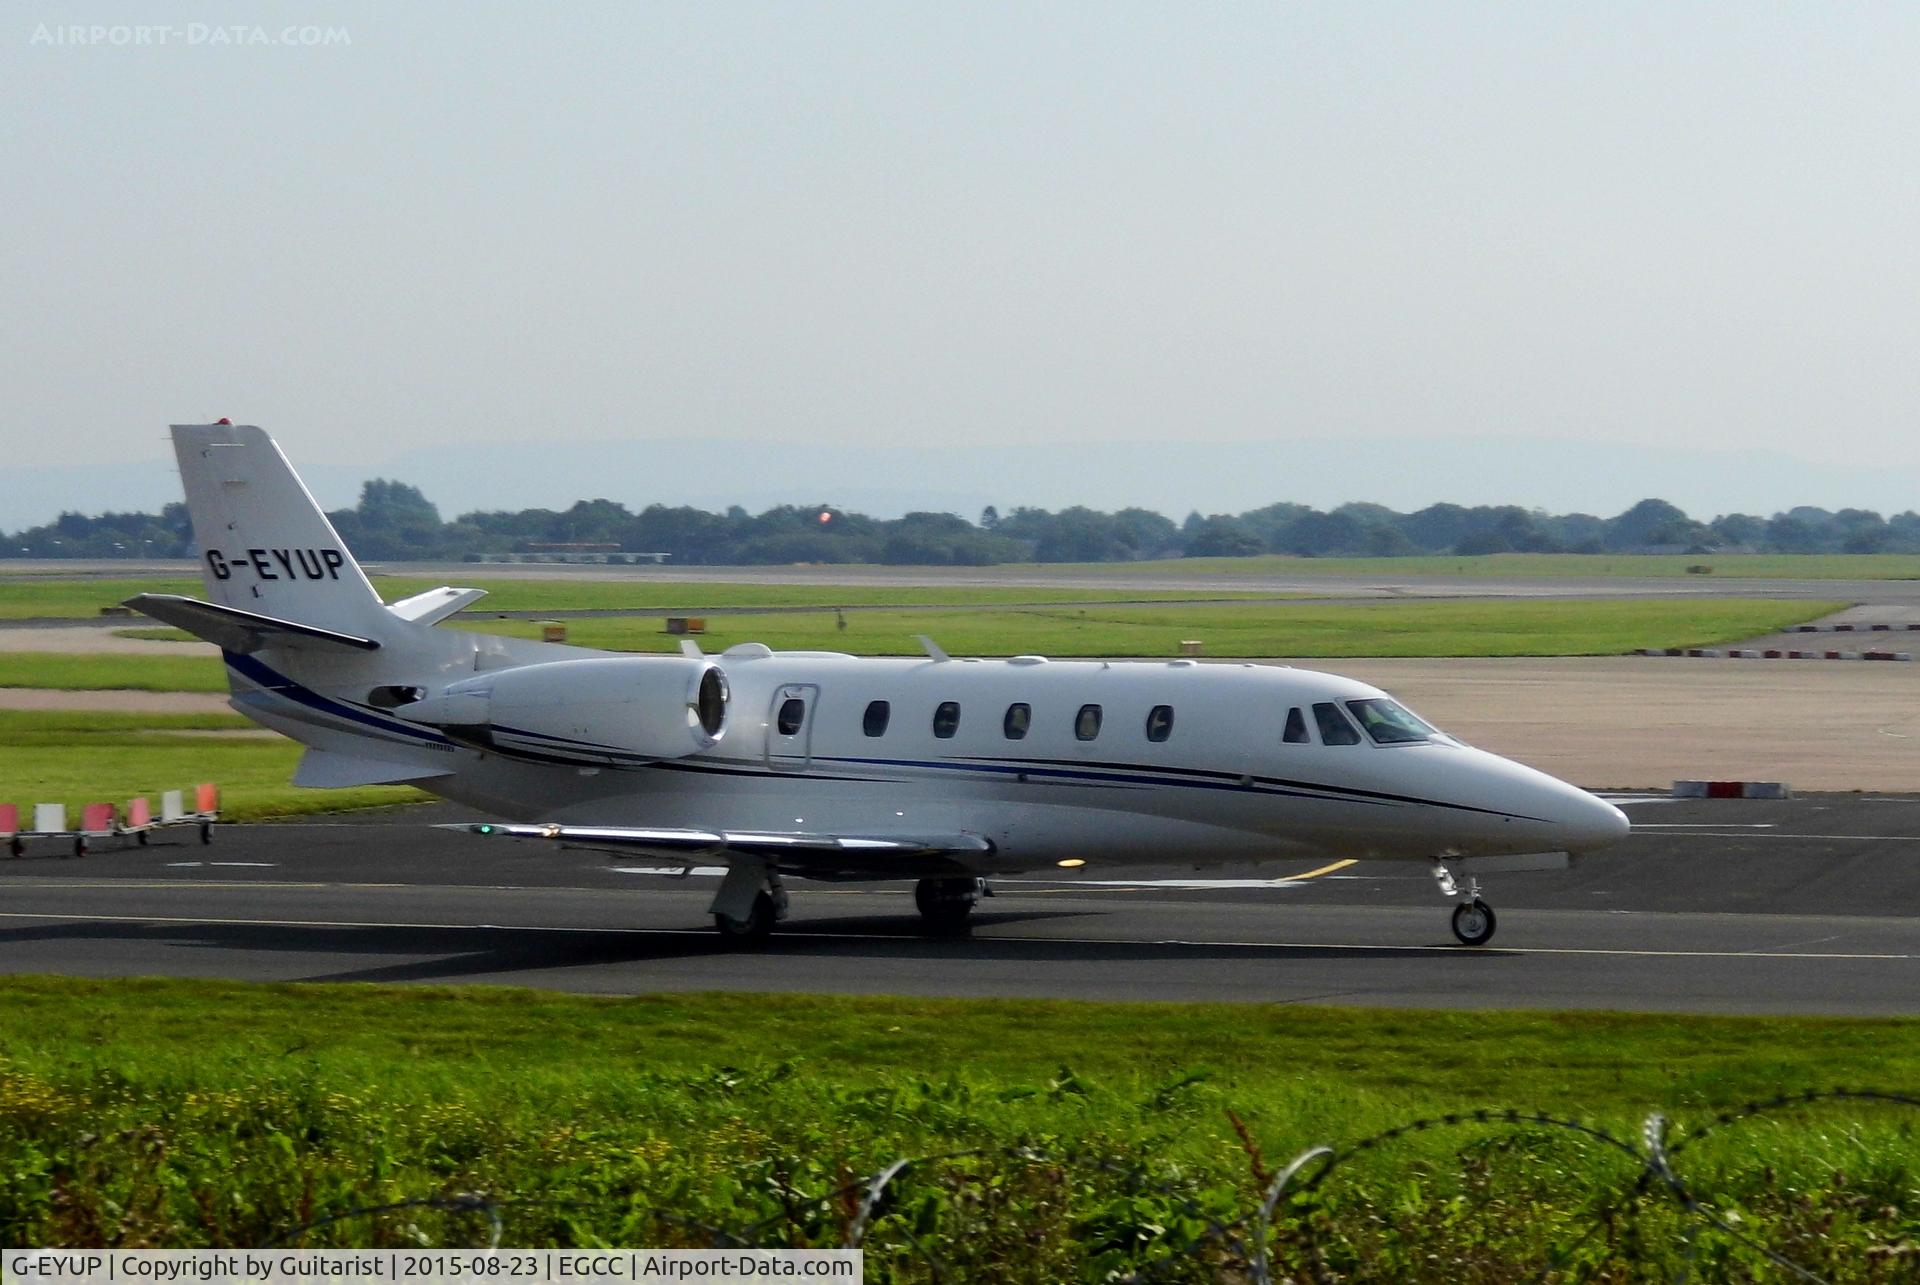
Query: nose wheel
pixel 1473 922
pixel 1473 919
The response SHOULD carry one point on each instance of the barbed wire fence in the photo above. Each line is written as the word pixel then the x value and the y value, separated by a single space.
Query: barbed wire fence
pixel 1281 1238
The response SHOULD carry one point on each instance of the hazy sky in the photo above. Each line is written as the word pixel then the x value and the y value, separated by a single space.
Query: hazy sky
pixel 1672 225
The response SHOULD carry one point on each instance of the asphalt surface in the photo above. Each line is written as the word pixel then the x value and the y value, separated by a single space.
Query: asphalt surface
pixel 1804 906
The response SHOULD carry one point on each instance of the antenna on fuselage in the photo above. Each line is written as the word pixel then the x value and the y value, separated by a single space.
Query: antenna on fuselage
pixel 691 649
pixel 932 647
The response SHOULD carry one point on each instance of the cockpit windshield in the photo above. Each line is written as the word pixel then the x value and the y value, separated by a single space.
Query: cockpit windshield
pixel 1389 722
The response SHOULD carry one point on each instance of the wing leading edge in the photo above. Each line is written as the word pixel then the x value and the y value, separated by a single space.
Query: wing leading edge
pixel 817 856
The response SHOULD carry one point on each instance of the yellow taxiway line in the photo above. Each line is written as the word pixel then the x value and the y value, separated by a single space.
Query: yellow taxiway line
pixel 1327 869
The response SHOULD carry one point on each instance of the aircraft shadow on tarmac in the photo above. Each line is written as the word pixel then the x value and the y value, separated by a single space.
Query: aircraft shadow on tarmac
pixel 455 953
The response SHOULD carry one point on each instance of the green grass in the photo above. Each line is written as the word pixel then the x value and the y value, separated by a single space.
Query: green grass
pixel 60 671
pixel 1781 566
pixel 76 758
pixel 26 596
pixel 1521 628
pixel 186 1113
pixel 36 595
pixel 47 595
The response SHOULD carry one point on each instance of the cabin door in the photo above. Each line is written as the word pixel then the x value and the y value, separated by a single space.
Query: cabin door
pixel 790 727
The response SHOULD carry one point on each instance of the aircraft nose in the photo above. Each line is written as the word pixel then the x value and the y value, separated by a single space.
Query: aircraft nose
pixel 1590 822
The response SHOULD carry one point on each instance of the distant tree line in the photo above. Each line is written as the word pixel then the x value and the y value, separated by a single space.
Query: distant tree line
pixel 395 521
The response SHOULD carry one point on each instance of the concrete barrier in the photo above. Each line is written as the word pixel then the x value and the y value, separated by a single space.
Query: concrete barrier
pixel 1773 653
pixel 1732 790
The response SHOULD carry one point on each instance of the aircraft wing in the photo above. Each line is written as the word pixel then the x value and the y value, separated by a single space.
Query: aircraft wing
pixel 810 855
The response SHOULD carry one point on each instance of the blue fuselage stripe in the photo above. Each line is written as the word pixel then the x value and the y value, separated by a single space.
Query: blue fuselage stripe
pixel 279 684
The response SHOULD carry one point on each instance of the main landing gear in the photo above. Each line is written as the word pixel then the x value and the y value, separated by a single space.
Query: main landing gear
pixel 946 905
pixel 1473 919
pixel 750 902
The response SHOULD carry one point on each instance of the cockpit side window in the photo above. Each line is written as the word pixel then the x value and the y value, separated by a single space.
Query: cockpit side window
pixel 1334 727
pixel 1296 733
pixel 1389 722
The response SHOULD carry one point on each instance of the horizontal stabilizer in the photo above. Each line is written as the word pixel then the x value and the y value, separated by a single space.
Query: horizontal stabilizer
pixel 435 605
pixel 241 631
pixel 824 856
pixel 326 770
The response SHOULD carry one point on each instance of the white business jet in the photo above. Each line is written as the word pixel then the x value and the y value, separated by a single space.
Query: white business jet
pixel 818 765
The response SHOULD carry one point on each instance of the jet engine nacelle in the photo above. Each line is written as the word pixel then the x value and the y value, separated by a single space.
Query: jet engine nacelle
pixel 609 709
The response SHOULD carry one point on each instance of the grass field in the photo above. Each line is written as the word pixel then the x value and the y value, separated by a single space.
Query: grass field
pixel 183 1113
pixel 1518 628
pixel 45 595
pixel 59 671
pixel 75 758
pixel 22 597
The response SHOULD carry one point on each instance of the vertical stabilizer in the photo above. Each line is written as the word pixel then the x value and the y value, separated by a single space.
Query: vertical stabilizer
pixel 265 544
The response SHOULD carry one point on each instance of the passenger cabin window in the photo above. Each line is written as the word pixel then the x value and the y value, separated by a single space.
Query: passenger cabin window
pixel 1160 722
pixel 1019 718
pixel 1086 724
pixel 1389 722
pixel 946 720
pixel 874 722
pixel 793 711
pixel 1296 733
pixel 1334 727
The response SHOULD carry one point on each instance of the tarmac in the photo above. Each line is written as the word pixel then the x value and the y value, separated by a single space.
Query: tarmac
pixel 1795 907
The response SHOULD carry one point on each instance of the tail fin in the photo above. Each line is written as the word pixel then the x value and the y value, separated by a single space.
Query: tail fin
pixel 266 548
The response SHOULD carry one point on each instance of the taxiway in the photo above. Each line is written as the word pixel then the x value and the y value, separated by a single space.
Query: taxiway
pixel 1802 906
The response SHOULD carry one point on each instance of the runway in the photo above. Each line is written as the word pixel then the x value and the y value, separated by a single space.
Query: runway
pixel 1806 906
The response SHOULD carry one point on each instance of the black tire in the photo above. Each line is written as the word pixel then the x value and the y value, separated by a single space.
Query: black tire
pixel 16 847
pixel 80 847
pixel 141 838
pixel 756 927
pixel 206 832
pixel 946 905
pixel 1473 922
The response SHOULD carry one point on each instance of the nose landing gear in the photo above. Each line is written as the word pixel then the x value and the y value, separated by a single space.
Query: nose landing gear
pixel 1473 919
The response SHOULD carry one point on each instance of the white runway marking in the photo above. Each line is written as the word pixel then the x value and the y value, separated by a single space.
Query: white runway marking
pixel 194 865
pixel 1704 825
pixel 802 935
